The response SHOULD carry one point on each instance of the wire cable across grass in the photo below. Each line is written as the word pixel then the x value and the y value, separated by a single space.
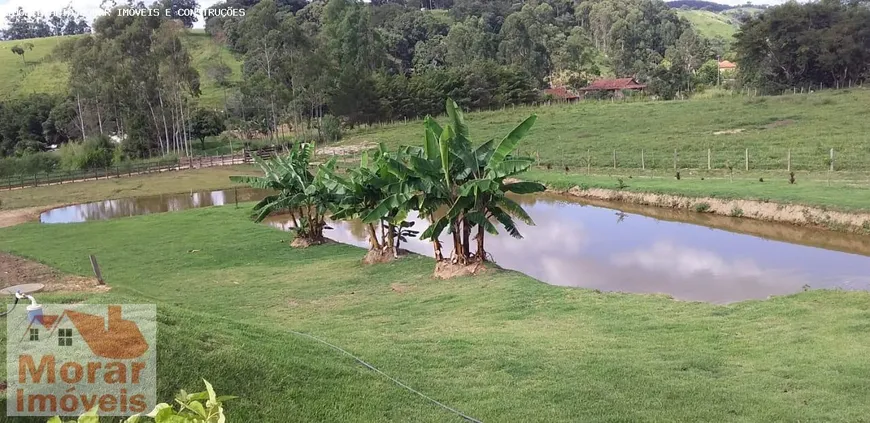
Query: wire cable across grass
pixel 394 380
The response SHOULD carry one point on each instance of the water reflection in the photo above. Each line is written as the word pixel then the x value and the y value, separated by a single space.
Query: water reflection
pixel 687 255
pixel 146 205
pixel 594 247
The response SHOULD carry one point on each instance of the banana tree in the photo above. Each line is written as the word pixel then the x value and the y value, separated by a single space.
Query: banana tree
pixel 377 193
pixel 308 197
pixel 475 179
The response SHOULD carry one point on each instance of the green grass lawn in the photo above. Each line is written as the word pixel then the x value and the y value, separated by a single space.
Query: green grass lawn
pixel 44 74
pixel 711 24
pixel 501 347
pixel 809 189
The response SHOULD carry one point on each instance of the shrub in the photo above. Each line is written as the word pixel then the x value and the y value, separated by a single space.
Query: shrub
pixel 29 164
pixel 95 152
pixel 191 409
pixel 702 207
pixel 330 128
pixel 736 211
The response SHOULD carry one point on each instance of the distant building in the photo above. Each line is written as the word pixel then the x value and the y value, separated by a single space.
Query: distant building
pixel 727 66
pixel 561 94
pixel 727 71
pixel 615 86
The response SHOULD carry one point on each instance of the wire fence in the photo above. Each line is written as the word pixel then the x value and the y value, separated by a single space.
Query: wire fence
pixel 729 159
pixel 118 171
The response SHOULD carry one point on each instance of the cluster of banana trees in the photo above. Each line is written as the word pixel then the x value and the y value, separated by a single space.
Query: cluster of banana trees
pixel 307 197
pixel 459 187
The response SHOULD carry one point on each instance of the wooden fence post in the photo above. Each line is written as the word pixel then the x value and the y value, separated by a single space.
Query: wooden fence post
pixel 832 159
pixel 675 159
pixel 97 271
pixel 642 163
pixel 746 155
pixel 788 160
pixel 614 159
pixel 709 154
pixel 588 161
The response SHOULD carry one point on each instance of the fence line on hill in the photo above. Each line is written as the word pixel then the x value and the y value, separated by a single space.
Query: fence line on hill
pixel 118 171
pixel 729 159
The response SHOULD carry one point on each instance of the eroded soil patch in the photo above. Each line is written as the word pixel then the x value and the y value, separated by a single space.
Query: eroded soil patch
pixel 15 270
pixel 18 216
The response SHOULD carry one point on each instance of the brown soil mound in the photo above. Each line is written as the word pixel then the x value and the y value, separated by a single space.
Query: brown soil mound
pixel 383 256
pixel 16 271
pixel 447 270
pixel 300 242
pixel 378 256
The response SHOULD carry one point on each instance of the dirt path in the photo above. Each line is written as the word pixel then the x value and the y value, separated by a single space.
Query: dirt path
pixel 19 216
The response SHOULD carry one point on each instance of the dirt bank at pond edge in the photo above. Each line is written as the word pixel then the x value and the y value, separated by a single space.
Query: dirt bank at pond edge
pixel 753 209
pixel 18 216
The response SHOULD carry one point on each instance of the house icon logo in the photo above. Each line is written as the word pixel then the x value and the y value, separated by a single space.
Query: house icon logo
pixel 111 337
pixel 66 359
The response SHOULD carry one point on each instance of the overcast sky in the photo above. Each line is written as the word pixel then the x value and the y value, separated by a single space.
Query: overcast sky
pixel 91 8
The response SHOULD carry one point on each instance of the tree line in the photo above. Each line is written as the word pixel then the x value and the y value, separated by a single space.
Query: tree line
pixel 22 25
pixel 309 65
pixel 806 45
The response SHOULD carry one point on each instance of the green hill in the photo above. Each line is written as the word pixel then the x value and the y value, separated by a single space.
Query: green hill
pixel 42 73
pixel 711 24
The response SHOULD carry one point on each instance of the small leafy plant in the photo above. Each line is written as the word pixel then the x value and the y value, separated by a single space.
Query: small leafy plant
pixel 621 184
pixel 191 409
pixel 736 212
pixel 702 207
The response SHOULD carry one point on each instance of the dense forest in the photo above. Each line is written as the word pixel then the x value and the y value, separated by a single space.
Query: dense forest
pixel 306 62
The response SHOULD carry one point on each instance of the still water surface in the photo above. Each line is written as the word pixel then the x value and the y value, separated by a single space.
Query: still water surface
pixel 636 249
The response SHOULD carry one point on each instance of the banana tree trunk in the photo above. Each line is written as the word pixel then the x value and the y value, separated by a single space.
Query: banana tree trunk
pixel 295 222
pixel 436 244
pixel 481 253
pixel 466 237
pixel 373 237
pixel 390 244
pixel 458 251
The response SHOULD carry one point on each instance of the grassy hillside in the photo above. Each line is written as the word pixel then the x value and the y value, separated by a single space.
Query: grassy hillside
pixel 711 24
pixel 808 125
pixel 43 74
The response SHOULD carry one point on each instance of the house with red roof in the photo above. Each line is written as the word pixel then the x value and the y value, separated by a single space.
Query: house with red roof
pixel 616 86
pixel 561 94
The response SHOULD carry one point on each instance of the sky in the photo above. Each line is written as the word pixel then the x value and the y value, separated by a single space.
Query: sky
pixel 91 8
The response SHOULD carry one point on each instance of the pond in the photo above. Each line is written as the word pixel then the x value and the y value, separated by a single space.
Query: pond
pixel 611 247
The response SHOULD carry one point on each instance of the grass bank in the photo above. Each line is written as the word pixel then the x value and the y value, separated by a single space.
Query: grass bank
pixel 501 347
pixel 809 189
pixel 646 134
pixel 133 186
